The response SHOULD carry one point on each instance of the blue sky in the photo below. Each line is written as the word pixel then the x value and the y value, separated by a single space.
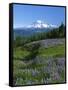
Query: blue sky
pixel 26 14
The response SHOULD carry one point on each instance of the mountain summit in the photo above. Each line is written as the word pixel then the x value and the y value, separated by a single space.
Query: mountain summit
pixel 40 24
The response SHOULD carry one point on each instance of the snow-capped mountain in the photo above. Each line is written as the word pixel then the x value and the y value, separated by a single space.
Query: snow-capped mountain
pixel 40 24
pixel 34 28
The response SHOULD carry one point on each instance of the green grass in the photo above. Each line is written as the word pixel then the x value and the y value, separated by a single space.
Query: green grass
pixel 55 51
pixel 58 50
pixel 18 64
pixel 20 52
pixel 20 73
pixel 24 77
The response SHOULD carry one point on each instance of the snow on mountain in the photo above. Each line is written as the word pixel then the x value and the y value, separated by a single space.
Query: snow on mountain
pixel 54 26
pixel 40 24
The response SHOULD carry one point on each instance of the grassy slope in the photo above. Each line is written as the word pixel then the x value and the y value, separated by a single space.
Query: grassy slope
pixel 19 66
pixel 58 50
pixel 20 52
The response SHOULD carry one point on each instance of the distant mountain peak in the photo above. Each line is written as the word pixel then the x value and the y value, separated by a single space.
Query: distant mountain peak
pixel 39 21
pixel 40 24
